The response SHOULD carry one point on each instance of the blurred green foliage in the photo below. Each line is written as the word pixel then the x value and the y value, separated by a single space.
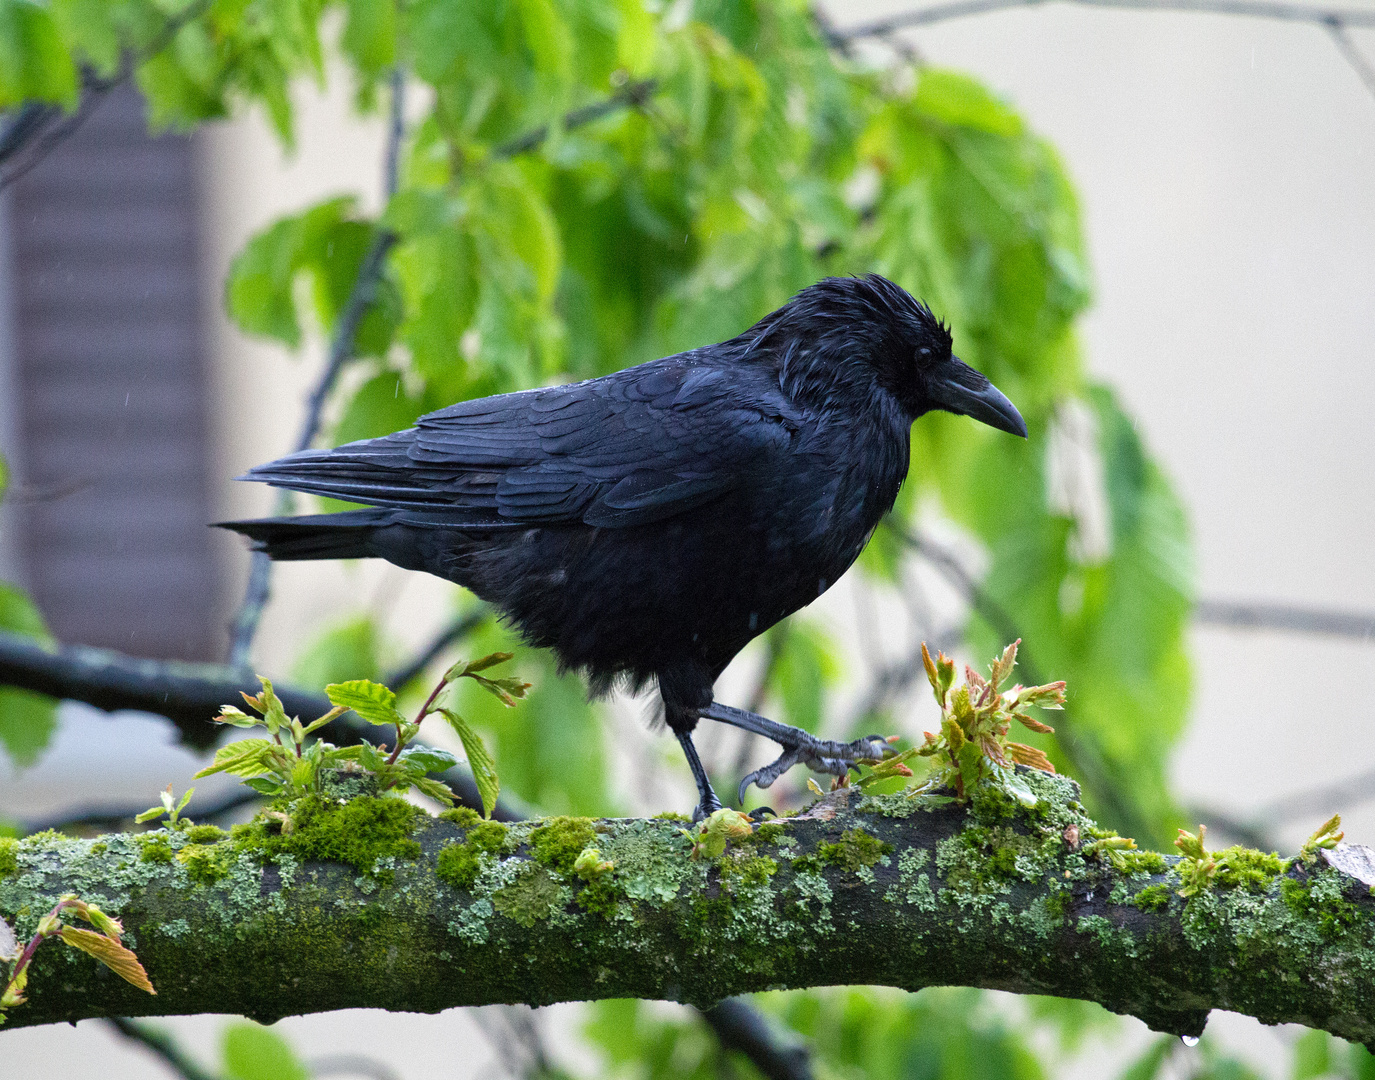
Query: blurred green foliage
pixel 27 720
pixel 761 160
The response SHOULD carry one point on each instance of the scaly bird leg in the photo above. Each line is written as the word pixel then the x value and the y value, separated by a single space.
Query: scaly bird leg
pixel 707 803
pixel 799 747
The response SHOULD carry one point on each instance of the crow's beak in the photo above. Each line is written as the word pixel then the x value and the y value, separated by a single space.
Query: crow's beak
pixel 958 388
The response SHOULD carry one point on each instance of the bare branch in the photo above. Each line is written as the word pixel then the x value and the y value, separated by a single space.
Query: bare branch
pixel 188 694
pixel 632 95
pixel 341 351
pixel 960 9
pixel 1352 55
pixel 1301 620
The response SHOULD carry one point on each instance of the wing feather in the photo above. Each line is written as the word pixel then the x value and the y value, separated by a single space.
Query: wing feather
pixel 630 448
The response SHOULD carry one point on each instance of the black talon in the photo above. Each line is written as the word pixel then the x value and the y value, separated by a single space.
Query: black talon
pixel 759 812
pixel 706 808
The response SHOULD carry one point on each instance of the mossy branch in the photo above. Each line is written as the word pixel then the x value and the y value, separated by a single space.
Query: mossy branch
pixel 371 902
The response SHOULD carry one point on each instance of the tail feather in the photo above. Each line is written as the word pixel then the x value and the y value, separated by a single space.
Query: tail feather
pixel 376 471
pixel 315 536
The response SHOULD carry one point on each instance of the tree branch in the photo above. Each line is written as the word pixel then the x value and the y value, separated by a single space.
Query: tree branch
pixel 1288 617
pixel 188 694
pixel 341 349
pixel 631 96
pixel 36 127
pixel 886 890
pixel 960 9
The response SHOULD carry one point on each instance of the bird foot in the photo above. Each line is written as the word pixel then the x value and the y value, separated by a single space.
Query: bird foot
pixel 799 747
pixel 706 808
pixel 820 755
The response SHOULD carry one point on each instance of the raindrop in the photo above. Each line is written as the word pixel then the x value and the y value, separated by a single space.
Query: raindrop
pixel 1189 1040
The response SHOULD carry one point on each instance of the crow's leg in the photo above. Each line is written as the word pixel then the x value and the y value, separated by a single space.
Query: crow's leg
pixel 799 747
pixel 686 689
pixel 707 803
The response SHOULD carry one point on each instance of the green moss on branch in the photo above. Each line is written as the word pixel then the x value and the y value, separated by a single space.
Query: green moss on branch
pixel 325 905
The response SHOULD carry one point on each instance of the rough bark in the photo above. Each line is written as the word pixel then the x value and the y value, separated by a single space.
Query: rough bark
pixel 434 913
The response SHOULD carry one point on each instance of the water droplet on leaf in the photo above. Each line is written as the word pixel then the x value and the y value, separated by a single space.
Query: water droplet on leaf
pixel 1189 1040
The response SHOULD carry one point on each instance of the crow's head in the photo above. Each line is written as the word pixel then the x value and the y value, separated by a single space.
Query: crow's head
pixel 828 330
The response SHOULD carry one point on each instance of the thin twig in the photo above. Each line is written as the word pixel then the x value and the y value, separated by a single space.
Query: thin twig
pixel 341 351
pixel 1285 617
pixel 27 130
pixel 1352 55
pixel 1336 20
pixel 162 1045
pixel 960 9
pixel 632 95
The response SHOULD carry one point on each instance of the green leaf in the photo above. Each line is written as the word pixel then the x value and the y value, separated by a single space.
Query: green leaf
pixel 111 953
pixel 489 661
pixel 504 690
pixel 27 723
pixel 380 406
pixel 369 38
pixel 428 759
pixel 372 701
pixel 35 63
pixel 484 768
pixel 260 291
pixel 252 1052
pixel 957 99
pixel 435 789
pixel 264 785
pixel 247 757
pixel 237 718
pixel 19 614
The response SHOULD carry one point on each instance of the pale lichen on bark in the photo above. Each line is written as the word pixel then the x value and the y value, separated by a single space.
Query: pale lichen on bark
pixel 364 904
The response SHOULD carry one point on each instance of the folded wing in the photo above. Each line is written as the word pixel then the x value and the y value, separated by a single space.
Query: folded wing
pixel 631 448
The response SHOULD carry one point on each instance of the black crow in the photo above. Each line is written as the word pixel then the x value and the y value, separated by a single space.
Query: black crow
pixel 648 524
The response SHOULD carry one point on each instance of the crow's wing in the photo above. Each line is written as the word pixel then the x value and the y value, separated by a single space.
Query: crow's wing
pixel 638 446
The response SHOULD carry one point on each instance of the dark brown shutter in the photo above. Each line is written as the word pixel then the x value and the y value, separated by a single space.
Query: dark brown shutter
pixel 110 382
